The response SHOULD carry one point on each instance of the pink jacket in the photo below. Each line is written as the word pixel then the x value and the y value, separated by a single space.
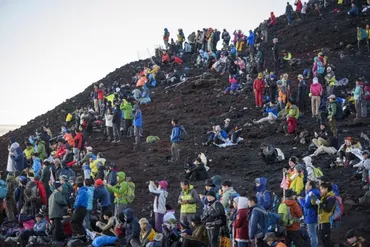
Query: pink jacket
pixel 316 89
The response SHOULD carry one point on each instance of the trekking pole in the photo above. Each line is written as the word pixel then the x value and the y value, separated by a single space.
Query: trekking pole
pixel 150 55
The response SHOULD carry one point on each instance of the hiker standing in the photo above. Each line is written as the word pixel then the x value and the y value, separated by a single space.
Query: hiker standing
pixel 80 209
pixel 159 204
pixel 256 219
pixel 188 200
pixel 138 124
pixel 10 208
pixel 332 111
pixel 57 206
pixel 175 140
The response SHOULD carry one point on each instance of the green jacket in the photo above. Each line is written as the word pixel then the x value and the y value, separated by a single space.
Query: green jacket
pixel 330 79
pixel 126 107
pixel 332 109
pixel 41 150
pixel 294 111
pixel 192 197
pixel 67 188
pixel 226 195
pixel 361 34
pixel 120 190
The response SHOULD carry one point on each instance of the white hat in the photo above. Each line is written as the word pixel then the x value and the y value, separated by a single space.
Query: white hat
pixel 89 149
pixel 332 96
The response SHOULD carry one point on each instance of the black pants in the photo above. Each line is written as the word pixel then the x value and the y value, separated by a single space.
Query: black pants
pixel 77 221
pixel 191 243
pixel 127 125
pixel 213 236
pixel 349 156
pixel 325 234
pixel 295 237
pixel 58 230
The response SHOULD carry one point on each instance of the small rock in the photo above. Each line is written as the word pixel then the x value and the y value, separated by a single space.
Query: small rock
pixel 349 46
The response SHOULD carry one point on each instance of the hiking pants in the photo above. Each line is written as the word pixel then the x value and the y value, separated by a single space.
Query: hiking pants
pixel 119 208
pixel 175 151
pixel 289 17
pixel 312 233
pixel 270 117
pixel 315 104
pixel 127 125
pixel 185 217
pixel 158 222
pixel 116 135
pixel 242 244
pixel 358 108
pixel 363 108
pixel 109 133
pixel 296 237
pixel 213 236
pixel 323 149
pixel 333 125
pixel 320 141
pixel 325 234
pixel 329 90
pixel 58 230
pixel 137 133
pixel 87 223
pixel 258 97
pixel 10 209
pixel 77 221
pixel 348 155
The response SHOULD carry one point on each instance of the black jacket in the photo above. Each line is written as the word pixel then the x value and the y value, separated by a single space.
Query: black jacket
pixel 214 215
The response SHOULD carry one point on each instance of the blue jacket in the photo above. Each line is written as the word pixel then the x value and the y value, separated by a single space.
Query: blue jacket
pixel 309 210
pixel 256 222
pixel 263 195
pixel 273 110
pixel 40 226
pixel 102 195
pixel 175 134
pixel 36 166
pixel 223 134
pixel 353 11
pixel 90 194
pixel 138 120
pixel 82 198
pixel 251 38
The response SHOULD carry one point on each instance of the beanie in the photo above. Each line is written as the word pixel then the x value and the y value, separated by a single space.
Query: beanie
pixel 57 184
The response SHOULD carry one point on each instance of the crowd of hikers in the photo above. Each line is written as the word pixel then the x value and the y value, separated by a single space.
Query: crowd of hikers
pixel 57 191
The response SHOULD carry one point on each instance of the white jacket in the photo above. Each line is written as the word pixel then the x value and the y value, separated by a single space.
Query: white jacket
pixel 363 164
pixel 108 120
pixel 160 199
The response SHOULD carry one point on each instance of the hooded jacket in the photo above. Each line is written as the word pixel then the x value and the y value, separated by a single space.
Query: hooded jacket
pixel 258 85
pixel 17 157
pixel 326 207
pixel 90 194
pixel 102 195
pixel 309 209
pixel 95 165
pixel 36 166
pixel 316 89
pixel 251 38
pixel 67 190
pixel 214 213
pixel 263 195
pixel 138 119
pixel 294 111
pixel 40 226
pixel 241 223
pixel 330 79
pixel 160 199
pixel 166 34
pixel 120 190
pixel 57 205
pixel 226 196
pixel 79 141
pixel 295 212
pixel 131 225
pixel 310 169
pixel 191 196
pixel 82 198
pixel 28 152
pixel 363 164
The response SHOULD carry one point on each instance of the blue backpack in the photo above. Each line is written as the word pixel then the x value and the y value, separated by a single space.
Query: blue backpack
pixel 272 222
pixel 3 189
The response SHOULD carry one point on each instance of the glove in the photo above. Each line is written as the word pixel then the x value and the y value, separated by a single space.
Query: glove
pixel 310 194
pixel 310 95
pixel 318 202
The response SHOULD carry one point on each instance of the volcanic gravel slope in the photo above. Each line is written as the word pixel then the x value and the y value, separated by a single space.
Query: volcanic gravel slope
pixel 197 105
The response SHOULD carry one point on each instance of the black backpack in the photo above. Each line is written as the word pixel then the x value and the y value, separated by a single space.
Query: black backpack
pixel 233 69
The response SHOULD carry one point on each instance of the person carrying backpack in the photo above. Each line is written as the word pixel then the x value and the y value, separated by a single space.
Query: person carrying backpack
pixel 175 140
pixel 291 214
pixel 123 193
pixel 263 195
pixel 257 222
pixel 310 211
pixel 358 97
pixel 325 209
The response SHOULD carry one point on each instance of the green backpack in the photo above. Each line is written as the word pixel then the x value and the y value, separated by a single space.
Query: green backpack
pixel 286 217
pixel 131 192
pixel 317 172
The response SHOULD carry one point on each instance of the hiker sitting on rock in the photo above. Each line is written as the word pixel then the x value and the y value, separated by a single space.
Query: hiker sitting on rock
pixel 272 111
pixel 234 85
pixel 346 151
pixel 324 141
pixel 196 170
pixel 353 12
pixel 291 124
pixel 364 165
pixel 216 136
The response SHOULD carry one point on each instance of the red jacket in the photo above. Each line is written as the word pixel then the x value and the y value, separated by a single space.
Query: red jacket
pixel 78 141
pixel 241 225
pixel 42 192
pixel 299 6
pixel 61 151
pixel 316 89
pixel 272 19
pixel 177 60
pixel 292 124
pixel 258 85
pixel 295 212
pixel 101 94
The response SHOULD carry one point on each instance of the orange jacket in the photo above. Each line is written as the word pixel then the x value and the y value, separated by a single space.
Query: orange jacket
pixel 296 213
pixel 69 138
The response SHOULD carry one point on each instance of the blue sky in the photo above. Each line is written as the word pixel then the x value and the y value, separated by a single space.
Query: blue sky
pixel 50 50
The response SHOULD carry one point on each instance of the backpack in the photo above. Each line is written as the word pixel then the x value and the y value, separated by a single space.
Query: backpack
pixel 3 189
pixel 317 172
pixel 338 209
pixel 320 68
pixel 130 192
pixel 183 134
pixel 272 221
pixel 233 69
pixel 339 113
pixel 275 202
pixel 286 217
